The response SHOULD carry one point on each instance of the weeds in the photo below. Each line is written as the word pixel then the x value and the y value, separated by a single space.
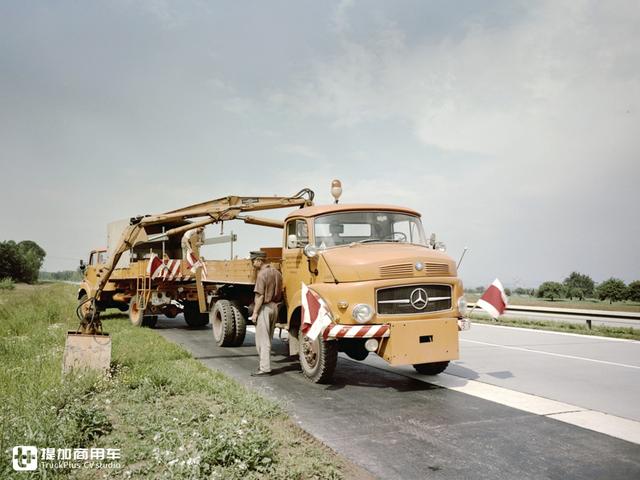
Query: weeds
pixel 170 416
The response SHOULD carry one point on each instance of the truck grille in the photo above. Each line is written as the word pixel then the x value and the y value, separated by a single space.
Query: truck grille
pixel 412 299
pixel 402 270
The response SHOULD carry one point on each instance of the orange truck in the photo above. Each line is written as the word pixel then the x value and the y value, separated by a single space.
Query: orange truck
pixel 388 289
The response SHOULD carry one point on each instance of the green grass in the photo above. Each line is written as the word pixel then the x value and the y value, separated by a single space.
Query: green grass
pixel 7 284
pixel 586 304
pixel 580 328
pixel 170 415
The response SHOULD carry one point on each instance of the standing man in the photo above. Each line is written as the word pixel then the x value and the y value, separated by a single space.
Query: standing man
pixel 192 240
pixel 268 292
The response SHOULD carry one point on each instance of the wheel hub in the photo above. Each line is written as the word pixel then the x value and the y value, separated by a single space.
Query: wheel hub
pixel 310 352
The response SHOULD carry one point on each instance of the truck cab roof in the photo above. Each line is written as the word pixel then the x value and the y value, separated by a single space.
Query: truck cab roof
pixel 317 210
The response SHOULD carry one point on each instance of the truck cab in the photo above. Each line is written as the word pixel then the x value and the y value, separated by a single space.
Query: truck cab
pixel 388 289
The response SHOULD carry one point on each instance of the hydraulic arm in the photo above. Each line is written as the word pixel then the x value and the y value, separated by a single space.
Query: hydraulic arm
pixel 213 211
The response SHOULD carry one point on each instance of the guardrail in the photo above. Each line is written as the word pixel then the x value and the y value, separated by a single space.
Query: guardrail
pixel 604 316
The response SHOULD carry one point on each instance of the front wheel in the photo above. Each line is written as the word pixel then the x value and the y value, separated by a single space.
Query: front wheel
pixel 318 358
pixel 431 368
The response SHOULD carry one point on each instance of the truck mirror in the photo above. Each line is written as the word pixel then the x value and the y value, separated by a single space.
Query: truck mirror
pixel 82 265
pixel 292 241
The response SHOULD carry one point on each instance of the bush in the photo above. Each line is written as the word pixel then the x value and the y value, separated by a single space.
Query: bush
pixel 633 291
pixel 7 284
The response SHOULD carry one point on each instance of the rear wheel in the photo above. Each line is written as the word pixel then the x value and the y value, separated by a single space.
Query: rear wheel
pixel 431 368
pixel 223 323
pixel 192 315
pixel 136 314
pixel 318 358
pixel 239 325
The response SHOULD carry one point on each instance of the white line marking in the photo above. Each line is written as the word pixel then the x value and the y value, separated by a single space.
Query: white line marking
pixel 618 427
pixel 561 355
pixel 551 332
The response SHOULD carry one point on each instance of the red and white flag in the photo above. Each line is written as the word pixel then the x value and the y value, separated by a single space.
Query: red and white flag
pixel 315 314
pixel 493 300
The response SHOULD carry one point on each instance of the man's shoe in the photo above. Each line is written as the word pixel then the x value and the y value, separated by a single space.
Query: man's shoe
pixel 260 373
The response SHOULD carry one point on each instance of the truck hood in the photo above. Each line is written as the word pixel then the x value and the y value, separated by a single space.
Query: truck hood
pixel 378 261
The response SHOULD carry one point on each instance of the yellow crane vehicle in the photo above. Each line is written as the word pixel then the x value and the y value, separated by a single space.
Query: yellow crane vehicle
pixel 387 289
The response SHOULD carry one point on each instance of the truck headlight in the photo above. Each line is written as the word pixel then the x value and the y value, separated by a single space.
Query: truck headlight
pixel 362 313
pixel 462 305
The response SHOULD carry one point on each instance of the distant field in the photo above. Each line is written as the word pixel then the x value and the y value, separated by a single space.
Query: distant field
pixel 170 416
pixel 588 304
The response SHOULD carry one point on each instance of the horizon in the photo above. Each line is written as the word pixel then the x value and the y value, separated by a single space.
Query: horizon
pixel 511 127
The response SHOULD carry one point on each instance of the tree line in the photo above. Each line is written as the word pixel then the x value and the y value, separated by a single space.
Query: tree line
pixel 21 262
pixel 580 286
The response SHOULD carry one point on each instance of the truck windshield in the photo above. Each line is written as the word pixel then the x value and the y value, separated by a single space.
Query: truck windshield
pixel 362 227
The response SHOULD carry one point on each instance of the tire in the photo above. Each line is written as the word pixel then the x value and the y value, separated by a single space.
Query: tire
pixel 150 321
pixel 223 323
pixel 192 315
pixel 318 359
pixel 431 368
pixel 136 315
pixel 239 325
pixel 123 307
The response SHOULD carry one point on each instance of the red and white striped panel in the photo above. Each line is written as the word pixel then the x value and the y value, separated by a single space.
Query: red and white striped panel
pixel 172 270
pixel 356 331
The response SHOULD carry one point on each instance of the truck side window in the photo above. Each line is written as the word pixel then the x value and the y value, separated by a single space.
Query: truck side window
pixel 92 259
pixel 300 230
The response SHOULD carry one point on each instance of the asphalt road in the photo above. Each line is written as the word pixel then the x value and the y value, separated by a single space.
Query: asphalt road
pixel 397 424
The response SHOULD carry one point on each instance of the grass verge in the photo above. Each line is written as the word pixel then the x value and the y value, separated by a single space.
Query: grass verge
pixel 169 415
pixel 602 331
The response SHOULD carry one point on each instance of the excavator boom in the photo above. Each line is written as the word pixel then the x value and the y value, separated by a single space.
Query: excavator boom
pixel 213 211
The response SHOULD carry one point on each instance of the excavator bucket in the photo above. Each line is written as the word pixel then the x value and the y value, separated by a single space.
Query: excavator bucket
pixel 85 351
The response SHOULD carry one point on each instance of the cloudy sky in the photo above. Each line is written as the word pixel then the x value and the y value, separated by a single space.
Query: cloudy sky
pixel 512 126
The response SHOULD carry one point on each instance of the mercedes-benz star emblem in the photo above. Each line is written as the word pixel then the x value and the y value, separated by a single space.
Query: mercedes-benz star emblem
pixel 419 299
pixel 419 266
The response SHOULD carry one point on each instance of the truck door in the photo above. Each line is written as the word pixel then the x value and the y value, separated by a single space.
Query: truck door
pixel 295 269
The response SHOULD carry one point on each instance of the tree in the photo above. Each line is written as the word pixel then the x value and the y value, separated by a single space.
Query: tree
pixel 507 291
pixel 21 261
pixel 633 291
pixel 32 259
pixel 613 290
pixel 579 285
pixel 550 290
pixel 10 261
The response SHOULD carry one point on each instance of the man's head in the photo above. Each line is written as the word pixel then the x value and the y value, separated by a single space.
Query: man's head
pixel 257 259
